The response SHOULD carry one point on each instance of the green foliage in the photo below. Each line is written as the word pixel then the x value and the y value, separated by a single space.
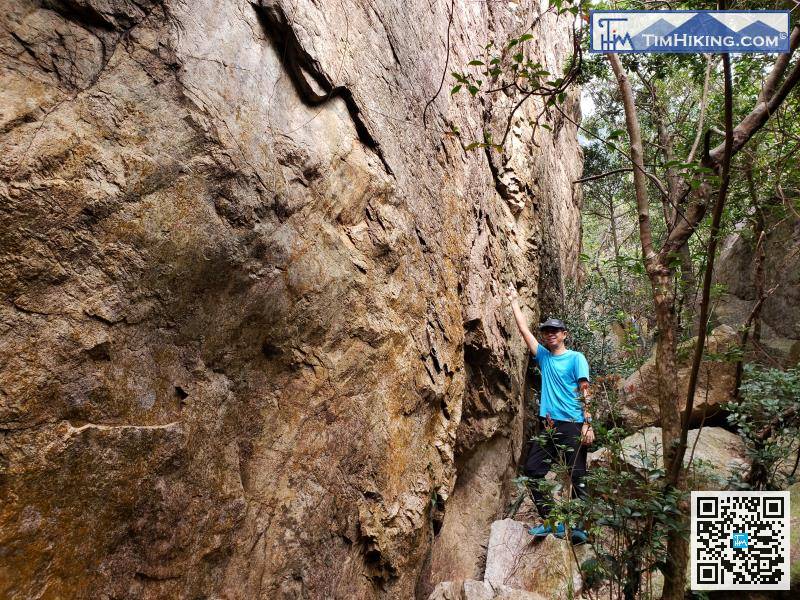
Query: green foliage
pixel 607 324
pixel 768 419
pixel 507 68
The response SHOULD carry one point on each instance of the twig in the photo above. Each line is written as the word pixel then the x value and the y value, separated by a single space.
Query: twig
pixel 444 71
pixel 593 177
pixel 703 104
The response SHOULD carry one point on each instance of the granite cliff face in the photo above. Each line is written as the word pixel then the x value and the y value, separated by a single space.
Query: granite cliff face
pixel 252 342
pixel 779 331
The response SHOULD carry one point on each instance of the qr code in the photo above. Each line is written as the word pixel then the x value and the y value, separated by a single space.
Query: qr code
pixel 740 540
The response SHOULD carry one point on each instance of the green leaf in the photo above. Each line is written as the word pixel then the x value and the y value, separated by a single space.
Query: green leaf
pixel 472 146
pixel 525 37
pixel 512 42
pixel 455 89
pixel 518 57
pixel 475 63
pixel 472 89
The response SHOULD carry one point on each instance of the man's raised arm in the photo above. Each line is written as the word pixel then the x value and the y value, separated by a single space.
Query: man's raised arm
pixel 511 294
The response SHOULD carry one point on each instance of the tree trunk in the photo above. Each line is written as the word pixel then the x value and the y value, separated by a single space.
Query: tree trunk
pixel 688 289
pixel 662 280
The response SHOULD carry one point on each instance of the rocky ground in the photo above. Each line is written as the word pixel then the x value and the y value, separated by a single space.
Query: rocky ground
pixel 519 567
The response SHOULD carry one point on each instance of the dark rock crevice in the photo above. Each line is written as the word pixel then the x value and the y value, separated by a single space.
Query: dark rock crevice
pixel 297 62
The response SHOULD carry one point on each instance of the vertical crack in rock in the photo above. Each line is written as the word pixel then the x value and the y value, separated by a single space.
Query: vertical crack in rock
pixel 297 62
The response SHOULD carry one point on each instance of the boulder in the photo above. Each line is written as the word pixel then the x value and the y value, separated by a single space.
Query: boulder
pixel 546 566
pixel 639 392
pixel 734 271
pixel 775 345
pixel 715 456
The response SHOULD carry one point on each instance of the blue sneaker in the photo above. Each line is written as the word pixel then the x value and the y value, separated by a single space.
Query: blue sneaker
pixel 577 536
pixel 540 531
pixel 545 530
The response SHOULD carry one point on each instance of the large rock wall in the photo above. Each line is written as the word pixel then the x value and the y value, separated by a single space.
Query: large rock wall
pixel 251 324
pixel 779 341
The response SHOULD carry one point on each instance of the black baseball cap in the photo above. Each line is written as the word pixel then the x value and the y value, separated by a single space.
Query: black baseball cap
pixel 554 323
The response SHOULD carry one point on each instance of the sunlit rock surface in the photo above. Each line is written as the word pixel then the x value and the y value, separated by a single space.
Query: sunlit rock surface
pixel 713 456
pixel 251 332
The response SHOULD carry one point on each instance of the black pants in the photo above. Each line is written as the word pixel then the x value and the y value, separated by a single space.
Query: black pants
pixel 545 454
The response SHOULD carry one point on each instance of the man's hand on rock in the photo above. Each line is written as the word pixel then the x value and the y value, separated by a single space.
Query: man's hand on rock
pixel 511 293
pixel 587 434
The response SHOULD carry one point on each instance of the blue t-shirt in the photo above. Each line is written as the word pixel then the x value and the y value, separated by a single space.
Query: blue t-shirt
pixel 560 396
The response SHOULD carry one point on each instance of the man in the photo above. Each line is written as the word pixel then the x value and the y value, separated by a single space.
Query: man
pixel 566 420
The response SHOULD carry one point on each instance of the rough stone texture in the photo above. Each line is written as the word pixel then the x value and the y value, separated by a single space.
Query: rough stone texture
pixel 716 455
pixel 459 548
pixel 716 379
pixel 780 313
pixel 479 590
pixel 250 320
pixel 546 566
pixel 772 349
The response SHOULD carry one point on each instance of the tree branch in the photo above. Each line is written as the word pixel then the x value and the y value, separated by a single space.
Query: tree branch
pixel 742 133
pixel 703 105
pixel 637 160
pixel 601 175
pixel 753 122
pixel 705 301
pixel 444 71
